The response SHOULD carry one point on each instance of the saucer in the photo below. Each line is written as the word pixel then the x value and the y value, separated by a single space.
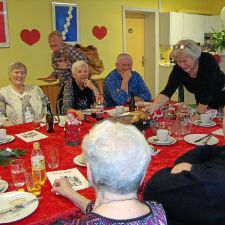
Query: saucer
pixel 191 138
pixel 170 141
pixel 9 138
pixel 3 186
pixel 78 161
pixel 201 124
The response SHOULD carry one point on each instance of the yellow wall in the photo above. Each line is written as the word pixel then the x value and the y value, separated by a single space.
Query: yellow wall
pixel 36 14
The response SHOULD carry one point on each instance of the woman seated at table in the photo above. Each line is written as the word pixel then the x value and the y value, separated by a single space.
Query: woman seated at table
pixel 17 97
pixel 193 190
pixel 79 92
pixel 199 72
pixel 117 157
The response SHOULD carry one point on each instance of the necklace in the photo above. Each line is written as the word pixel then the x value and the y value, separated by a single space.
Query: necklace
pixel 114 200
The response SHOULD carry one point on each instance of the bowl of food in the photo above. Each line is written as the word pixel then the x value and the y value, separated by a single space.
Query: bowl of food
pixel 168 125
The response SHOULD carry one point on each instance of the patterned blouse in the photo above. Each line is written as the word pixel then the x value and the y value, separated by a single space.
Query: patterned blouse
pixel 13 104
pixel 156 216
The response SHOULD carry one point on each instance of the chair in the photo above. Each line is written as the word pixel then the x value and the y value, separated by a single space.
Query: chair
pixel 59 104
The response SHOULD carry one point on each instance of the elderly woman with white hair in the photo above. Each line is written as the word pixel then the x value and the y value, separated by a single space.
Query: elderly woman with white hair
pixel 79 92
pixel 199 73
pixel 117 157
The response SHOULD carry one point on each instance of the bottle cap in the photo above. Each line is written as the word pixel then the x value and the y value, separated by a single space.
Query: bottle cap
pixel 36 145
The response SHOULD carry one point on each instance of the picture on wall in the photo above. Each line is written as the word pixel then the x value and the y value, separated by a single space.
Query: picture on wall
pixel 65 20
pixel 4 32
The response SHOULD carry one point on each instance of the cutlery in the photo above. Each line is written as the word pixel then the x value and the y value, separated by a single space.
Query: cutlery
pixel 19 206
pixel 207 139
pixel 202 138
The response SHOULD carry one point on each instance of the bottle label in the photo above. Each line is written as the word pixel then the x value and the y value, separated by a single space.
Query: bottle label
pixel 38 162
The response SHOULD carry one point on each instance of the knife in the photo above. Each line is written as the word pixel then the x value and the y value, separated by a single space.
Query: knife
pixel 202 138
pixel 19 206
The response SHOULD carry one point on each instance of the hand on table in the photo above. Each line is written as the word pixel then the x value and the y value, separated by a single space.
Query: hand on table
pixel 62 187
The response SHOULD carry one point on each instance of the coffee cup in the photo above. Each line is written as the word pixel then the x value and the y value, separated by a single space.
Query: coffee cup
pixel 2 134
pixel 162 135
pixel 205 118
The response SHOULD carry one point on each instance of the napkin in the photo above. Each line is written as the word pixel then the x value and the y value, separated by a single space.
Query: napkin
pixel 30 136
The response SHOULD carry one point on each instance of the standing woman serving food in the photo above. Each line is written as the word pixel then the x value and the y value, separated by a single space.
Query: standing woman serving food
pixel 79 92
pixel 16 97
pixel 199 73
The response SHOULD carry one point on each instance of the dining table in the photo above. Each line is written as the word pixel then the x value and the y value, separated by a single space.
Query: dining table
pixel 53 207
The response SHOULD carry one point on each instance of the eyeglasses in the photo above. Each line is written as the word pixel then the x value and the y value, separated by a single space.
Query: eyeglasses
pixel 182 47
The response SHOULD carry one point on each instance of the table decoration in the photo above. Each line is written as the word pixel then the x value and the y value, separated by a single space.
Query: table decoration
pixel 7 154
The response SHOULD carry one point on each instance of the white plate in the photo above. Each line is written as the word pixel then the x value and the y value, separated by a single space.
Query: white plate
pixel 8 197
pixel 153 140
pixel 191 138
pixel 3 186
pixel 9 138
pixel 200 124
pixel 78 161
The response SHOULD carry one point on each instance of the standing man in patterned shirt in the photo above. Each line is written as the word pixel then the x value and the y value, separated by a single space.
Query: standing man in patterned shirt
pixel 62 58
pixel 121 81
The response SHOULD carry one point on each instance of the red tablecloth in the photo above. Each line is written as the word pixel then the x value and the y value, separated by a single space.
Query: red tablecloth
pixel 52 207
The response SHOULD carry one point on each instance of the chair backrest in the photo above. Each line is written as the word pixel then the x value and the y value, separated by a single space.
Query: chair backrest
pixel 59 104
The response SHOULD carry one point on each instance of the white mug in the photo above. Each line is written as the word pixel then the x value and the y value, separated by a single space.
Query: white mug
pixel 205 118
pixel 2 134
pixel 162 135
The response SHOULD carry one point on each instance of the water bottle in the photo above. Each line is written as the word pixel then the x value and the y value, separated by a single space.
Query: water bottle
pixel 28 115
pixel 38 162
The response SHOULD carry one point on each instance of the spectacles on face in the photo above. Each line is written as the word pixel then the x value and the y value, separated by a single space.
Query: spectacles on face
pixel 182 47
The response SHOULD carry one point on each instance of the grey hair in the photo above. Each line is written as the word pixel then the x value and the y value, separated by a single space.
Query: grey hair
pixel 78 64
pixel 17 65
pixel 124 55
pixel 192 50
pixel 117 156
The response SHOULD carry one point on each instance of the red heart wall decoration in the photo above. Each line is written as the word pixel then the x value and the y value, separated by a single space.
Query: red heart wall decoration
pixel 99 32
pixel 30 37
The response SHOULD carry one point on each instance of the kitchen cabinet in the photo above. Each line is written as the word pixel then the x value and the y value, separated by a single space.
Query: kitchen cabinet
pixel 170 28
pixel 193 27
pixel 214 22
pixel 175 26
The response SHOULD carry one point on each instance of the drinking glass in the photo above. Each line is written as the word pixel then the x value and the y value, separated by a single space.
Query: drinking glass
pixel 52 157
pixel 183 123
pixel 37 121
pixel 17 172
pixel 33 181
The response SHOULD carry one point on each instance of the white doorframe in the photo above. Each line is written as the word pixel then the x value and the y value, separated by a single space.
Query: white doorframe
pixel 151 47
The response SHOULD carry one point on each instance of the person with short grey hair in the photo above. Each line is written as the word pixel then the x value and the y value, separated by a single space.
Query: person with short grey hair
pixel 200 74
pixel 17 98
pixel 117 157
pixel 121 81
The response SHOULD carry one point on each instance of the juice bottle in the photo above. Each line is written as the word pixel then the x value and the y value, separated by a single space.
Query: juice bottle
pixel 38 162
